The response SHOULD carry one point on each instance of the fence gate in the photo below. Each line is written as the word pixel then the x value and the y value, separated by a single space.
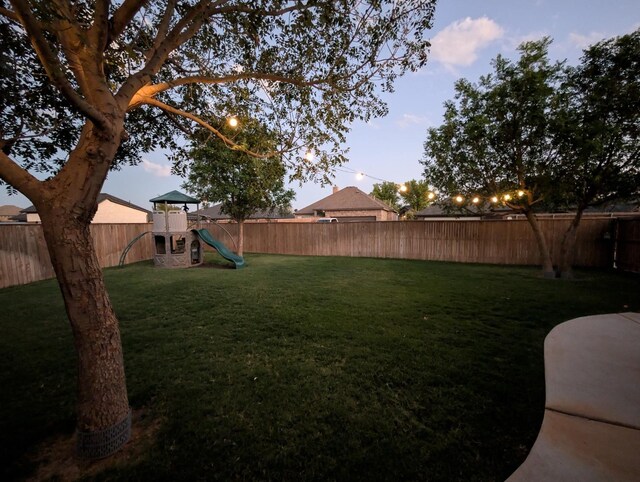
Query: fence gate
pixel 627 250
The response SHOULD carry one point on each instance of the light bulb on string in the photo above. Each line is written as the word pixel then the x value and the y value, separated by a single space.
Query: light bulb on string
pixel 309 155
pixel 475 200
pixel 232 121
pixel 431 196
pixel 507 197
pixel 520 193
pixel 494 199
pixel 360 176
pixel 459 199
pixel 402 188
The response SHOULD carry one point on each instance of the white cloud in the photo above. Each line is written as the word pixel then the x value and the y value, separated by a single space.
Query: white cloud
pixel 583 41
pixel 156 169
pixel 459 42
pixel 408 120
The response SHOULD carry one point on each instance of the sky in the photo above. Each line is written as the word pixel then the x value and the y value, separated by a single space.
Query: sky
pixel 466 36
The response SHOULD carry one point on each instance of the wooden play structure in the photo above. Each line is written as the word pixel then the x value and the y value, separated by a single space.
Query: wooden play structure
pixel 175 244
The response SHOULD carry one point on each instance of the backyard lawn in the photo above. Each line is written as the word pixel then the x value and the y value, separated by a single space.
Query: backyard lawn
pixel 300 368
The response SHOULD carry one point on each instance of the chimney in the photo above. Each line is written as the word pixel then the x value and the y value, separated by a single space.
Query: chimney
pixel 335 189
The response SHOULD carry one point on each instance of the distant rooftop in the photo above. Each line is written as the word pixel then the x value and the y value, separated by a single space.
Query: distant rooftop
pixel 103 196
pixel 348 199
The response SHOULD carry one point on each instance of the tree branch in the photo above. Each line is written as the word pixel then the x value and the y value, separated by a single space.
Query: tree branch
pixel 184 30
pixel 163 29
pixel 18 177
pixel 122 16
pixel 5 12
pixel 52 65
pixel 227 141
pixel 99 31
pixel 151 90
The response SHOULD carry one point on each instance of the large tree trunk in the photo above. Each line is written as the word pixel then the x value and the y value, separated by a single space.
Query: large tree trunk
pixel 567 248
pixel 102 403
pixel 545 255
pixel 240 237
pixel 66 207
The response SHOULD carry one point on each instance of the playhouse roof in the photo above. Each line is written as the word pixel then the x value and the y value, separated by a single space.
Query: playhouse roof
pixel 174 197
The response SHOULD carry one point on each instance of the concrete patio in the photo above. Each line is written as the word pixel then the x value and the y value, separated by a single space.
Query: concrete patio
pixel 591 426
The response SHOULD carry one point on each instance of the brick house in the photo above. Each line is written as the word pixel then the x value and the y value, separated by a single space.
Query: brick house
pixel 348 205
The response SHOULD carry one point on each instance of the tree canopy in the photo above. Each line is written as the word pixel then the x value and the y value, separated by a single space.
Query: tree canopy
pixel 416 195
pixel 496 135
pixel 386 191
pixel 241 183
pixel 307 68
pixel 536 135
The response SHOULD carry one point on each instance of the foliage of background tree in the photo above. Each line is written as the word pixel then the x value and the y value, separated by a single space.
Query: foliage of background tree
pixel 415 195
pixel 387 192
pixel 243 184
pixel 566 137
pixel 88 86
pixel 598 134
pixel 496 136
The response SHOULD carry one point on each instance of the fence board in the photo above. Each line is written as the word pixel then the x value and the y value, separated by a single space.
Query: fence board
pixel 496 242
pixel 24 257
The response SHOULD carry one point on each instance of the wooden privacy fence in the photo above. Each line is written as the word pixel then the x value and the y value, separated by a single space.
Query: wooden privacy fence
pixel 497 242
pixel 24 257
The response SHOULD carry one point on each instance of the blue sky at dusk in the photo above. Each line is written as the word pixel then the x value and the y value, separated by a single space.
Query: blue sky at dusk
pixel 467 34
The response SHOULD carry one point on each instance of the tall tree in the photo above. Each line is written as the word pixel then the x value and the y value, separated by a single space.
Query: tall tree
pixel 243 184
pixel 88 86
pixel 496 137
pixel 598 133
pixel 415 195
pixel 545 135
pixel 387 192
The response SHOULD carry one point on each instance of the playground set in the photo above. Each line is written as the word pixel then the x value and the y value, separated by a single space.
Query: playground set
pixel 176 243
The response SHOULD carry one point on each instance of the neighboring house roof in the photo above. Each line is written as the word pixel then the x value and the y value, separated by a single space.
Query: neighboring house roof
pixel 628 207
pixel 435 210
pixel 175 197
pixel 214 212
pixel 9 210
pixel 348 199
pixel 101 197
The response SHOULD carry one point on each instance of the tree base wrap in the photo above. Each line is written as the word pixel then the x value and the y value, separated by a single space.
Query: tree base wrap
pixel 98 445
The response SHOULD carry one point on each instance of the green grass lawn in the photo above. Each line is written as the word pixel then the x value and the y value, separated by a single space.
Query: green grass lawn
pixel 300 368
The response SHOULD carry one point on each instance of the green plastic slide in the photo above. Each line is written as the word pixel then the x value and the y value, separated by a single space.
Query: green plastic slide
pixel 221 248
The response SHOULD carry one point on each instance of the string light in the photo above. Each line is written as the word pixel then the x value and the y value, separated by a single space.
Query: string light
pixel 309 155
pixel 433 193
pixel 232 121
